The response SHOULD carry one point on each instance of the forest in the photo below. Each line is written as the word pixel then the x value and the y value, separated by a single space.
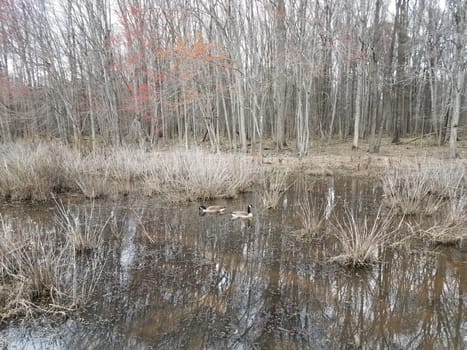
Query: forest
pixel 233 174
pixel 233 74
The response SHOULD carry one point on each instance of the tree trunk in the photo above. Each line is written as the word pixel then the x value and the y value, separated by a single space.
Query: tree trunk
pixel 280 74
pixel 402 50
pixel 374 83
pixel 459 12
pixel 358 105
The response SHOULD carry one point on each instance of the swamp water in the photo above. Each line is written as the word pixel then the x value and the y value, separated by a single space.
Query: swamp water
pixel 176 280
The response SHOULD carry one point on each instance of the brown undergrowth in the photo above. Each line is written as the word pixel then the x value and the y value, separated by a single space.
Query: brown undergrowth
pixel 46 270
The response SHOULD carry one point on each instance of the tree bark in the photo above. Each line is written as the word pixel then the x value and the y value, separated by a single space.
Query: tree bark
pixel 459 13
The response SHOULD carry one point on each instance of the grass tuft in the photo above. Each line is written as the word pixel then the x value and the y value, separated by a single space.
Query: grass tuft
pixel 451 227
pixel 274 186
pixel 312 216
pixel 199 175
pixel 41 270
pixel 83 230
pixel 360 238
pixel 425 190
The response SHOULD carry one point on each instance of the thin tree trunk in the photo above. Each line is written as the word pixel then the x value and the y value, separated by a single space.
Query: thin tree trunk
pixel 358 106
pixel 460 19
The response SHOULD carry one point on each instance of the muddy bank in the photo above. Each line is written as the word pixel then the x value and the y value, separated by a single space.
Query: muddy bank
pixel 340 159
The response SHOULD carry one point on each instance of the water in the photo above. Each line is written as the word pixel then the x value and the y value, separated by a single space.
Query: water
pixel 177 280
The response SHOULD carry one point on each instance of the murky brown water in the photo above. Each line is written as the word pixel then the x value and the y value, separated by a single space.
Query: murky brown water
pixel 206 282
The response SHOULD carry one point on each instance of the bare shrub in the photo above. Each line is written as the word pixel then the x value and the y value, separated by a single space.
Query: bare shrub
pixel 423 190
pixel 359 239
pixel 274 186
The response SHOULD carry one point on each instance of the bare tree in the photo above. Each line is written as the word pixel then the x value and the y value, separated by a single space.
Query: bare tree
pixel 458 9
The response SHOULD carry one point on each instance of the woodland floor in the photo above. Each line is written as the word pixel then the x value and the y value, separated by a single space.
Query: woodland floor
pixel 338 158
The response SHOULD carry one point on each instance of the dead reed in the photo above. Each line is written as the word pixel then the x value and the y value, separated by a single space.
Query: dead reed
pixel 312 215
pixel 84 228
pixel 41 270
pixel 451 226
pixel 360 238
pixel 425 189
pixel 274 186
pixel 34 172
pixel 110 171
pixel 197 174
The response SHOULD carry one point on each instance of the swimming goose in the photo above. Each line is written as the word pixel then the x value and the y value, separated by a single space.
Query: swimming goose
pixel 213 209
pixel 243 214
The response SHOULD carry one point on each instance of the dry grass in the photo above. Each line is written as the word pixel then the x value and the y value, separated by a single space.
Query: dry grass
pixel 360 238
pixel 312 216
pixel 40 270
pixel 425 189
pixel 274 186
pixel 107 172
pixel 199 175
pixel 451 227
pixel 32 172
pixel 83 229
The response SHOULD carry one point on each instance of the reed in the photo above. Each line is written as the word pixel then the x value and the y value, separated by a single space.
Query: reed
pixel 451 226
pixel 32 172
pixel 274 186
pixel 83 228
pixel 199 175
pixel 423 190
pixel 43 270
pixel 360 238
pixel 312 216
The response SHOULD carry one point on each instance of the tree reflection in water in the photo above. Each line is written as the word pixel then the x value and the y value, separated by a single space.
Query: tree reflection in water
pixel 211 283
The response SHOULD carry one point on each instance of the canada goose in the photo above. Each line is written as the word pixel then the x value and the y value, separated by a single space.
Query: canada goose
pixel 213 209
pixel 243 214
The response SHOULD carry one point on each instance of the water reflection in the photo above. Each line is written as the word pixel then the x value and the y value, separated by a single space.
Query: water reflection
pixel 330 197
pixel 177 280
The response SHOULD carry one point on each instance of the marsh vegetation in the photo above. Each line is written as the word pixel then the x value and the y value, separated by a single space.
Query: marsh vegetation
pixel 35 171
pixel 105 105
pixel 50 269
pixel 151 271
pixel 99 241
